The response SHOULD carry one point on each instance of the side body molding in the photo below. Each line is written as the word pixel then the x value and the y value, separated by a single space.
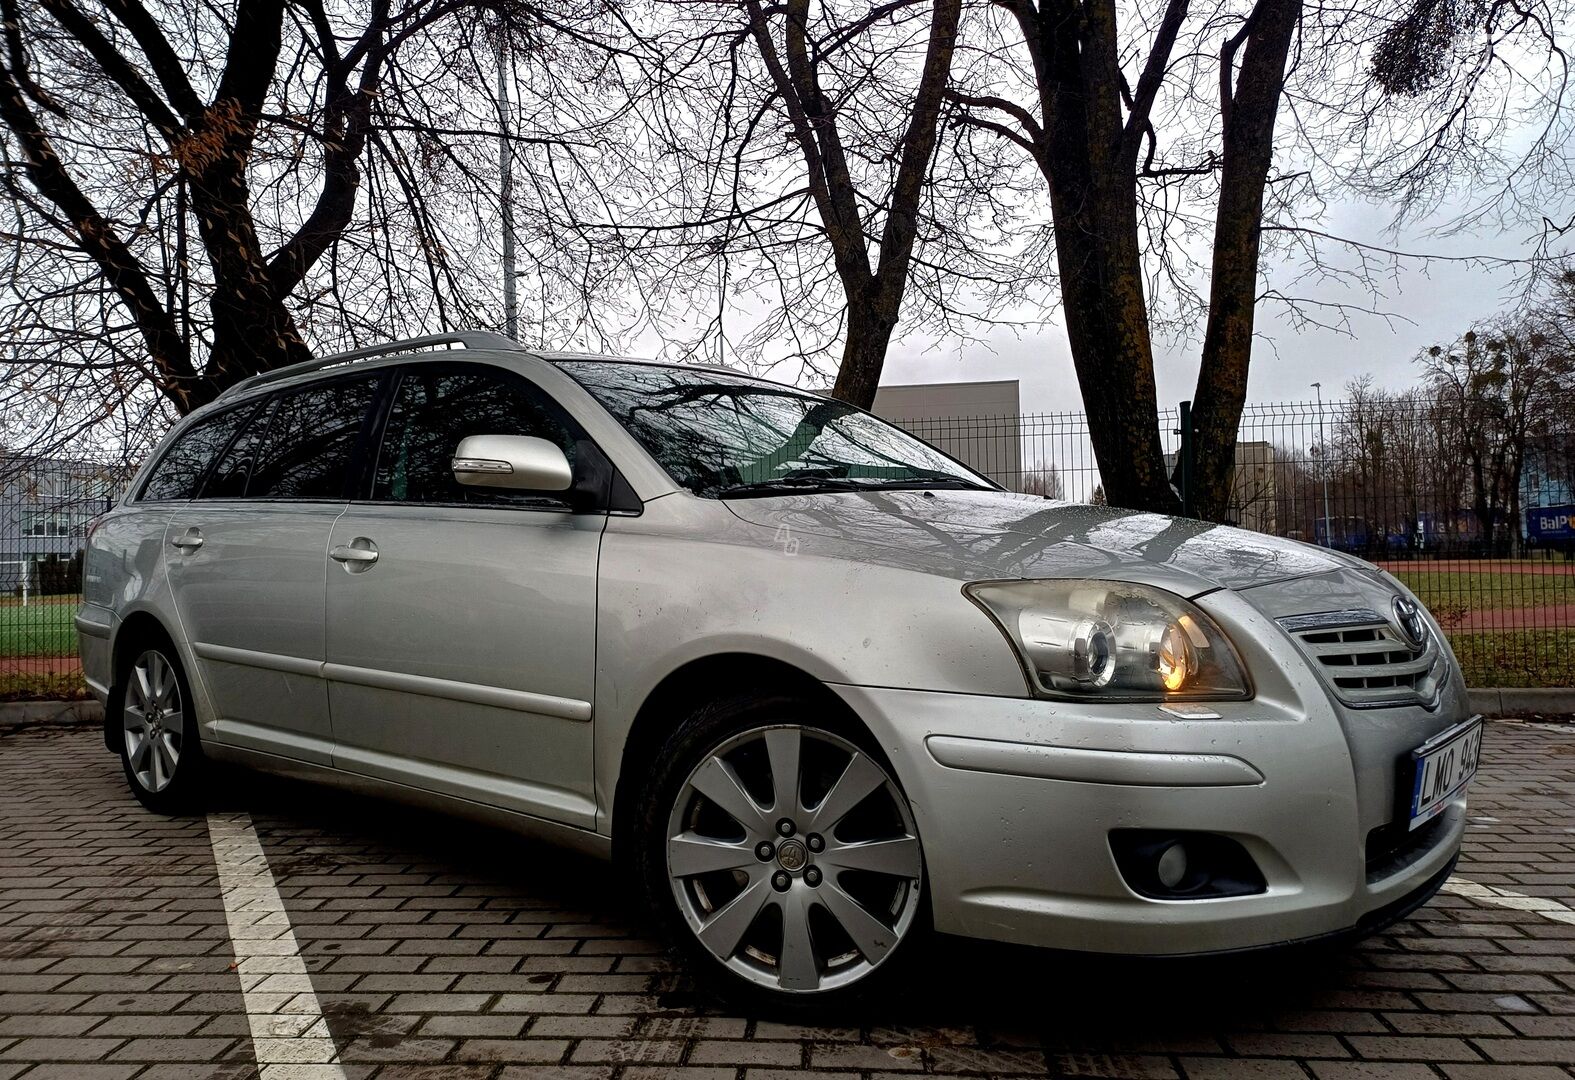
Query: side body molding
pixel 474 693
pixel 1079 765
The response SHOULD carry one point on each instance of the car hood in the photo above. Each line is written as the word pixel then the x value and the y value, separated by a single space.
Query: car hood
pixel 972 535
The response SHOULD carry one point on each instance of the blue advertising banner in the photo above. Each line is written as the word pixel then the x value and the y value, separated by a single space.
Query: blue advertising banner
pixel 1544 523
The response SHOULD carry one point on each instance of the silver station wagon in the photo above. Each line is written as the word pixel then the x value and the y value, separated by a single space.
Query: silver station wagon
pixel 820 688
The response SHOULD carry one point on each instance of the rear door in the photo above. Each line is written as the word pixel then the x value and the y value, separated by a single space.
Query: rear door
pixel 462 621
pixel 247 563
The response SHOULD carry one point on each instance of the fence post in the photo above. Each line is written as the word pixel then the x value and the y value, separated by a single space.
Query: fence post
pixel 1186 458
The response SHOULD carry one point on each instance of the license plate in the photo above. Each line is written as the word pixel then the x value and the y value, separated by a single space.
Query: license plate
pixel 1444 766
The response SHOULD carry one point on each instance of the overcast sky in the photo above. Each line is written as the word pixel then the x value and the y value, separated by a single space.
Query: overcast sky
pixel 1429 303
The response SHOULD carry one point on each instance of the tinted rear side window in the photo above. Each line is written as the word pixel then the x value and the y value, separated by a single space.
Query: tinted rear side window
pixel 435 408
pixel 183 466
pixel 310 441
pixel 229 477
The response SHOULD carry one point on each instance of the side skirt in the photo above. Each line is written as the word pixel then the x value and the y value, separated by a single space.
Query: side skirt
pixel 552 832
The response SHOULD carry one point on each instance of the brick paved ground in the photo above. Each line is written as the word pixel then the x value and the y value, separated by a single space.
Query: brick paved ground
pixel 441 950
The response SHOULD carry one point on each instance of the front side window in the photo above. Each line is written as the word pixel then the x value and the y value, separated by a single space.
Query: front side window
pixel 183 466
pixel 307 444
pixel 438 405
pixel 727 436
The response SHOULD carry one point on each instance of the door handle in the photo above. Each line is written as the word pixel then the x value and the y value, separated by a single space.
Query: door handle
pixel 359 554
pixel 188 541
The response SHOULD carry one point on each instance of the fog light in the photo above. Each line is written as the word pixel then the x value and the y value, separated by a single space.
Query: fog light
pixel 1184 865
pixel 1171 867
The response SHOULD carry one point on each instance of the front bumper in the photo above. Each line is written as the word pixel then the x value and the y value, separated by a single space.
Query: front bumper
pixel 1015 800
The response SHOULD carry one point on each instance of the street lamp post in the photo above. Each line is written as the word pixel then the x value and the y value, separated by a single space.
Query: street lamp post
pixel 1323 452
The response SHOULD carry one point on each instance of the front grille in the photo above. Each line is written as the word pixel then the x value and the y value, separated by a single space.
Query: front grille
pixel 1366 660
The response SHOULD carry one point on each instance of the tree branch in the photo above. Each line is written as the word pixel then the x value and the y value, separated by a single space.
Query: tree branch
pixel 117 67
pixel 1000 104
pixel 18 54
pixel 1142 104
pixel 344 135
pixel 167 67
pixel 125 273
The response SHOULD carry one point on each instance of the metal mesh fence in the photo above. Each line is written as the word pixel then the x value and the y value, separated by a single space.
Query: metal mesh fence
pixel 45 508
pixel 1472 514
pixel 1479 520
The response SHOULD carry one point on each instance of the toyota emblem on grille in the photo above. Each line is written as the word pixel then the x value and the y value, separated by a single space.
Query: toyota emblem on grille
pixel 1410 619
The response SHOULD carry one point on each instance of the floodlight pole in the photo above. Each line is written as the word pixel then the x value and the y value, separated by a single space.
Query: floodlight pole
pixel 511 318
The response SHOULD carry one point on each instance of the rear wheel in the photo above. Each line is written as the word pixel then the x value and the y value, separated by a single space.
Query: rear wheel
pixel 782 855
pixel 159 747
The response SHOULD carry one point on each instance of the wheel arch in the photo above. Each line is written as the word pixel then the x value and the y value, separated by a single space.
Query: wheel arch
pixel 134 629
pixel 700 681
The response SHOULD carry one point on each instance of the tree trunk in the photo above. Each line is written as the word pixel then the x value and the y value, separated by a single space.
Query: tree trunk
pixel 863 355
pixel 1479 499
pixel 1248 117
pixel 873 296
pixel 1093 205
pixel 1107 329
pixel 253 330
pixel 211 146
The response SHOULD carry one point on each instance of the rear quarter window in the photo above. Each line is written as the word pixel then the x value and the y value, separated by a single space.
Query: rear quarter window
pixel 178 473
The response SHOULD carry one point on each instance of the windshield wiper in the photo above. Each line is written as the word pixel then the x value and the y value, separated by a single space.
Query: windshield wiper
pixel 799 483
pixel 788 485
pixel 913 482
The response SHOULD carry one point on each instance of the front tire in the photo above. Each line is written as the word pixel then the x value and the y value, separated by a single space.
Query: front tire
pixel 780 855
pixel 160 750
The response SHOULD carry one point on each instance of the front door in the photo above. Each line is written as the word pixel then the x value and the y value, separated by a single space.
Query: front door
pixel 462 621
pixel 247 567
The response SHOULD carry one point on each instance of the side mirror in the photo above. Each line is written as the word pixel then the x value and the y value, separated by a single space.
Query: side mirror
pixel 522 462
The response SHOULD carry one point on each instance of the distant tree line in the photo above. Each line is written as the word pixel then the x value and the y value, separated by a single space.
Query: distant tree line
pixel 200 191
pixel 1446 464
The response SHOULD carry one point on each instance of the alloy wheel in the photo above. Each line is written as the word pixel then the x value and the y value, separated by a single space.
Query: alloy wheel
pixel 154 721
pixel 794 858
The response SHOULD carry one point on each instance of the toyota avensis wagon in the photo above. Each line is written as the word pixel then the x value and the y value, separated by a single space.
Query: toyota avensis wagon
pixel 820 687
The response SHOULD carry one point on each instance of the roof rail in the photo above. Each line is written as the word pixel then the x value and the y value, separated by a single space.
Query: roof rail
pixel 471 339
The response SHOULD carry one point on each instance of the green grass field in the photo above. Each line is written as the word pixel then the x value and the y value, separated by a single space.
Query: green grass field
pixel 42 628
pixel 1517 657
pixel 1487 590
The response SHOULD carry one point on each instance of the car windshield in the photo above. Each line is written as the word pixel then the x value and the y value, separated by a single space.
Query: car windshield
pixel 725 436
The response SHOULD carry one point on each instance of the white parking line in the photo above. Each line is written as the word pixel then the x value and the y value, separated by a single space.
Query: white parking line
pixel 289 1034
pixel 1546 907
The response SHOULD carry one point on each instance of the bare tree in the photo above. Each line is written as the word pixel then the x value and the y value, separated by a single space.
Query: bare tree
pixel 1043 480
pixel 798 181
pixel 1148 119
pixel 874 293
pixel 198 191
pixel 1498 386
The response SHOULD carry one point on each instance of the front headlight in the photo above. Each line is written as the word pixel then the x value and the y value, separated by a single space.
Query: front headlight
pixel 1112 641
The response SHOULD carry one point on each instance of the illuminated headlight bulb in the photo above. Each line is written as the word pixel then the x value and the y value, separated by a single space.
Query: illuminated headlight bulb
pixel 1175 662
